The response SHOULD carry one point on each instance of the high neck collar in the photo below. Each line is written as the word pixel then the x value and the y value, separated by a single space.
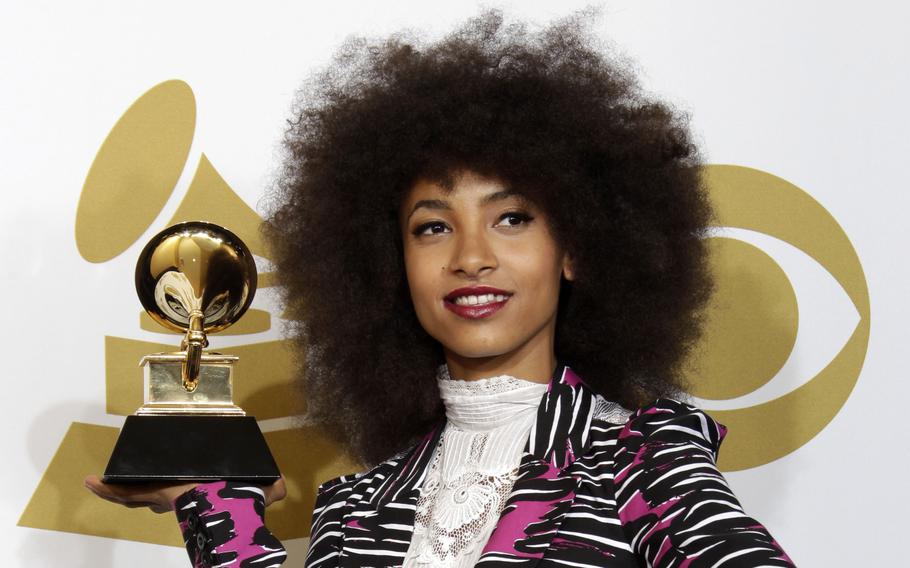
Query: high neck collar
pixel 485 404
pixel 559 433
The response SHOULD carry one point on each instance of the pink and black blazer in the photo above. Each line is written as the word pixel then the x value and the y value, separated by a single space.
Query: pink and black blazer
pixel 597 486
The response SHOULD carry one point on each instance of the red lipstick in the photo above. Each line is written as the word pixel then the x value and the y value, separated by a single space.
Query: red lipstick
pixel 475 311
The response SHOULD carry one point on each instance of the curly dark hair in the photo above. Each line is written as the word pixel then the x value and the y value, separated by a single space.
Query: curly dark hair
pixel 557 118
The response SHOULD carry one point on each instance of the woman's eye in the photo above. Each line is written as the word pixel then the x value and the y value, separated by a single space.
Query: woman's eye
pixel 431 228
pixel 514 219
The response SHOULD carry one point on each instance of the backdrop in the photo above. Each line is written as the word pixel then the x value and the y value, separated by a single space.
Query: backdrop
pixel 118 118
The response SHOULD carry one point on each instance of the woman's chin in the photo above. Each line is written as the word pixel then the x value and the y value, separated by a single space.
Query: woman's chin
pixel 479 351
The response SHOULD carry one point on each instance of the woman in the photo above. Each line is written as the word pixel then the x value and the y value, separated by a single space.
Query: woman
pixel 455 225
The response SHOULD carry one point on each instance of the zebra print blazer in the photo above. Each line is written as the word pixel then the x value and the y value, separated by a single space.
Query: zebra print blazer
pixel 597 486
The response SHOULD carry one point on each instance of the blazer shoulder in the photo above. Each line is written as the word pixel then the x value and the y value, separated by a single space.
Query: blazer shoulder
pixel 669 420
pixel 344 483
pixel 333 485
pixel 665 420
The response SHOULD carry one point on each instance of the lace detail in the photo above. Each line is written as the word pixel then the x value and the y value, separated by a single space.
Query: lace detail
pixel 478 445
pixel 454 517
pixel 492 385
pixel 610 411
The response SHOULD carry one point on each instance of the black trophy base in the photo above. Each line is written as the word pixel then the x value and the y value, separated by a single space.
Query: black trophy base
pixel 191 448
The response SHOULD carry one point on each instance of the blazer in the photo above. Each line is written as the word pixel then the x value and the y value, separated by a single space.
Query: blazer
pixel 597 486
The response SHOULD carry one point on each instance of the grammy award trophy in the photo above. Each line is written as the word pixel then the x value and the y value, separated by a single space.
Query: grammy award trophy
pixel 194 278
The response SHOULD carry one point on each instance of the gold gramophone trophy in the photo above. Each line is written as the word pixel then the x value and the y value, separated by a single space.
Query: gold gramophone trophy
pixel 194 278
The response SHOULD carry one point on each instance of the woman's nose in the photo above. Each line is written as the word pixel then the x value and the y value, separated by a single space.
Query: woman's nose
pixel 473 254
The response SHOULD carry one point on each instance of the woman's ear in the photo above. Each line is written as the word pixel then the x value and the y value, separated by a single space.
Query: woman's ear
pixel 568 267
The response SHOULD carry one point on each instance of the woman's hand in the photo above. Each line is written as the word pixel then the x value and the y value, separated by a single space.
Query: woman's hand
pixel 159 497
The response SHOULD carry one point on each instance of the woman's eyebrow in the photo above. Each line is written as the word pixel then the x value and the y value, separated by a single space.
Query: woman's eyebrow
pixel 441 204
pixel 500 195
pixel 429 204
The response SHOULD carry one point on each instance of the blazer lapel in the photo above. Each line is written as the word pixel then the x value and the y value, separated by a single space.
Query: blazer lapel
pixel 545 489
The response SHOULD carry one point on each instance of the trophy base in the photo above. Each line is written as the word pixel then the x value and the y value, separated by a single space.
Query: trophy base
pixel 191 448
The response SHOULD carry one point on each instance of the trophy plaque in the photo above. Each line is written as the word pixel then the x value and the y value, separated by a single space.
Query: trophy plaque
pixel 194 278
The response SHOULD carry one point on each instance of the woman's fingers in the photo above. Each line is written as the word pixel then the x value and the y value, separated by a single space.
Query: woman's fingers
pixel 157 497
pixel 275 492
pixel 160 497
pixel 106 492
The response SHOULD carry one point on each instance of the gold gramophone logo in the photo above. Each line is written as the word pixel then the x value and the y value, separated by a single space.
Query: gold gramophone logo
pixel 136 172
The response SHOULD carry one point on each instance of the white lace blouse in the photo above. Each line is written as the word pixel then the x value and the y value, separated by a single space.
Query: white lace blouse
pixel 488 422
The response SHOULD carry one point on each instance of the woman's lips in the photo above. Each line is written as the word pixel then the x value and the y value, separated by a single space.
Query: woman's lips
pixel 476 302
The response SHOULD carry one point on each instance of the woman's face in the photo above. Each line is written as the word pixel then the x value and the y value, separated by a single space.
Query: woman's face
pixel 484 273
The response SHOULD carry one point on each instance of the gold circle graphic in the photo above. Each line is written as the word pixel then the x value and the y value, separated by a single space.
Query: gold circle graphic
pixel 135 171
pixel 753 315
pixel 751 199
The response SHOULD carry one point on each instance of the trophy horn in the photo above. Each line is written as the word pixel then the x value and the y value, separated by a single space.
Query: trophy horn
pixel 195 278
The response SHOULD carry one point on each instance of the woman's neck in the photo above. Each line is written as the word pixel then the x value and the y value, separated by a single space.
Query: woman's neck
pixel 537 366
